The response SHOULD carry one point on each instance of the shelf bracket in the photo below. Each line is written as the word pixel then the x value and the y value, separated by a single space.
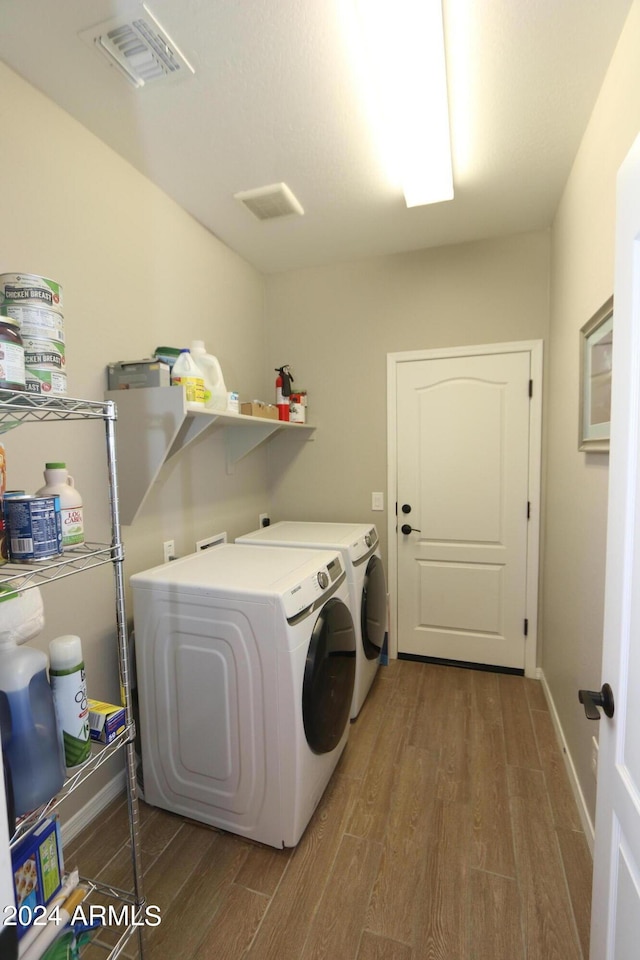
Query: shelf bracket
pixel 242 440
pixel 147 432
pixel 189 430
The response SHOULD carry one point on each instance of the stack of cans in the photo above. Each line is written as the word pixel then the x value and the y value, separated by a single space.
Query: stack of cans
pixel 36 303
pixel 30 526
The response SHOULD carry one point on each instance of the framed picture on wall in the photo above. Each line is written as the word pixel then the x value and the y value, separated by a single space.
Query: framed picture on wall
pixel 596 343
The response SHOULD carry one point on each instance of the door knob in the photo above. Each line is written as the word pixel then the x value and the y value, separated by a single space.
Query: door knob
pixel 407 528
pixel 592 699
pixel 406 508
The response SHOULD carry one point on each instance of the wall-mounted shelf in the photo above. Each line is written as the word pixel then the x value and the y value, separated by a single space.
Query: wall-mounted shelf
pixel 154 425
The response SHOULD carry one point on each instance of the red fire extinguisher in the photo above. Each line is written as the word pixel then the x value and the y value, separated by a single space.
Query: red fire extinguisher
pixel 283 391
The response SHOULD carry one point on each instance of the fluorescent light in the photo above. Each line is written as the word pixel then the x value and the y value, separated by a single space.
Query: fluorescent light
pixel 404 44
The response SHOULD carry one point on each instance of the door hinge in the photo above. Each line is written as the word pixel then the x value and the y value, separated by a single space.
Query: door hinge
pixel 526 627
pixel 530 388
pixel 528 509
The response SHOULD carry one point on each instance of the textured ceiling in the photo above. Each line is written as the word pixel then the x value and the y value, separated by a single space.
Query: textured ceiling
pixel 277 96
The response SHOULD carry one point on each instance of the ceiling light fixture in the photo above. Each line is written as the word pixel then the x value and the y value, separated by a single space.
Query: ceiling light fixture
pixel 404 50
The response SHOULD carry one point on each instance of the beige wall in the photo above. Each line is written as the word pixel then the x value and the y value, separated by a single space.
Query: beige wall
pixel 576 483
pixel 137 272
pixel 335 326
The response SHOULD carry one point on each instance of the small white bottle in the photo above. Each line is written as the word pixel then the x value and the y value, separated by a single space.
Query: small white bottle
pixel 185 372
pixel 58 481
pixel 215 391
pixel 69 687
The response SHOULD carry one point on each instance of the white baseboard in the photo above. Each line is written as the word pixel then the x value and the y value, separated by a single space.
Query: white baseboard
pixel 98 802
pixel 583 811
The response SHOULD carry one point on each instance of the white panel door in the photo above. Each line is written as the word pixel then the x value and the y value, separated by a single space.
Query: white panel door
pixel 463 469
pixel 615 924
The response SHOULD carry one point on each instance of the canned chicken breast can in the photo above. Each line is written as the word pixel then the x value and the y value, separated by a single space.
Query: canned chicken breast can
pixel 30 289
pixel 34 527
pixel 43 354
pixel 37 322
pixel 45 382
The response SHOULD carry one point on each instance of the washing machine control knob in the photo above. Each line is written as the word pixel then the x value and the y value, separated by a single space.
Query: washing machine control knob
pixel 367 540
pixel 323 580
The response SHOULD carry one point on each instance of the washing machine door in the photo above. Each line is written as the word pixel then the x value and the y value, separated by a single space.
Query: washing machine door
pixel 374 608
pixel 329 676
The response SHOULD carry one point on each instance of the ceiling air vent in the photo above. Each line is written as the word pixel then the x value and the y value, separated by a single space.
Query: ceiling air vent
pixel 267 203
pixel 139 48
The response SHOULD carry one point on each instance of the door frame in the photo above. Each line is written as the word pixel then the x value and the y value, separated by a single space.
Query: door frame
pixel 617 819
pixel 394 362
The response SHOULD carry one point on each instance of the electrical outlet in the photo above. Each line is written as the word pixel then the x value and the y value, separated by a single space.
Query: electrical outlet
pixel 264 520
pixel 594 757
pixel 169 550
pixel 211 541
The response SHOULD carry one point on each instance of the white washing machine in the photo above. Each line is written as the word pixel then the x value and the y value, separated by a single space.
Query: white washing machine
pixel 245 669
pixel 358 546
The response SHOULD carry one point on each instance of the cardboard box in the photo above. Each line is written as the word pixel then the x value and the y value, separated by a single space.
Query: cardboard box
pixel 106 720
pixel 267 411
pixel 38 870
pixel 130 374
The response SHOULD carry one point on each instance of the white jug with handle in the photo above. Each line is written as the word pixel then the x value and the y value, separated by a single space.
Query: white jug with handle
pixel 215 391
pixel 58 481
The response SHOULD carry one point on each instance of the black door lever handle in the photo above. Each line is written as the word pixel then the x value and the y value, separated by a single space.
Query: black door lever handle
pixel 407 528
pixel 592 699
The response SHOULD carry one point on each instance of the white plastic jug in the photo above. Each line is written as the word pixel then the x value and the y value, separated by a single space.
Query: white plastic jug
pixel 30 738
pixel 215 392
pixel 187 373
pixel 58 481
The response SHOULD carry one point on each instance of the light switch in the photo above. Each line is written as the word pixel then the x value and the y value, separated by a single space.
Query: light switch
pixel 377 501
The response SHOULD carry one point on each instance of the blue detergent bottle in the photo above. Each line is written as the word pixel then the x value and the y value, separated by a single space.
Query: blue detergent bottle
pixel 30 736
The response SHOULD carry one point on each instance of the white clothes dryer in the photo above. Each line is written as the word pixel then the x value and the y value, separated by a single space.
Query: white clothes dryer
pixel 245 668
pixel 360 551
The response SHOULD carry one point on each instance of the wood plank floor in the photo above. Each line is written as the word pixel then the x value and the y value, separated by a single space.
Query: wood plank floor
pixel 448 832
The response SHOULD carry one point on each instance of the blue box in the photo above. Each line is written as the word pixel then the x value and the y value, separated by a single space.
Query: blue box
pixel 38 869
pixel 106 720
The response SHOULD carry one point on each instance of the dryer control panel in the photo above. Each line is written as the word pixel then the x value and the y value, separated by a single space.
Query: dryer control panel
pixel 312 588
pixel 361 547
